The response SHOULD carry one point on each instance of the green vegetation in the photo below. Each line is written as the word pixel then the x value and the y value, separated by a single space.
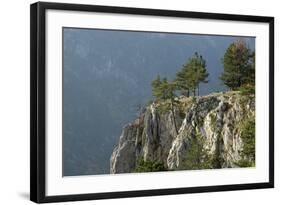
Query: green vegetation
pixel 216 159
pixel 248 139
pixel 197 156
pixel 193 99
pixel 191 75
pixel 239 66
pixel 149 166
pixel 162 89
pixel 245 163
pixel 247 89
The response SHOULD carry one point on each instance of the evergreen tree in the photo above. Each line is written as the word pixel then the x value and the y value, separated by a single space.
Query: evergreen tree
pixel 183 81
pixel 156 88
pixel 162 89
pixel 239 65
pixel 197 157
pixel 248 139
pixel 192 74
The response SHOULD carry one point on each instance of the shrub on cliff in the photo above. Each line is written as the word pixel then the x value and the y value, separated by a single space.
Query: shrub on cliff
pixel 197 157
pixel 248 139
pixel 149 166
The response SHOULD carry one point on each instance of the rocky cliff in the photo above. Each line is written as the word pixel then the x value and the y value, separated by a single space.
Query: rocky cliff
pixel 205 132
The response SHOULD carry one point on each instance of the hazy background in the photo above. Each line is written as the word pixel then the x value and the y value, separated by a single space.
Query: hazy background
pixel 108 73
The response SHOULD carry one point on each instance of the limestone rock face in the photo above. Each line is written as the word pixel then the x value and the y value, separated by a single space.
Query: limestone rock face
pixel 153 136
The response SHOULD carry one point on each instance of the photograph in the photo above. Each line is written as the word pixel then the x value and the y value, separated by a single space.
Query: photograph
pixel 144 101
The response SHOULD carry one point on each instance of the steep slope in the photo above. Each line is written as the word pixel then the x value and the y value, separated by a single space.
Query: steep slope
pixel 209 134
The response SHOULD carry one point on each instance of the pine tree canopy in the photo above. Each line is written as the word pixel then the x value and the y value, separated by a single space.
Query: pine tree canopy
pixel 191 74
pixel 239 65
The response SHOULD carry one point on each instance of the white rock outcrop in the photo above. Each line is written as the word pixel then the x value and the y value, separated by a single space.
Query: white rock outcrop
pixel 153 136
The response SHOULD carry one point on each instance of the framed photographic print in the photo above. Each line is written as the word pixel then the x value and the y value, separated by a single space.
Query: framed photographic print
pixel 129 102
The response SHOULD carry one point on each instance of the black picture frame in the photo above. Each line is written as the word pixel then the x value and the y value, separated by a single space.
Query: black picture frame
pixel 38 101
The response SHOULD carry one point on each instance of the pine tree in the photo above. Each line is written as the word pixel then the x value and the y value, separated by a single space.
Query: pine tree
pixel 239 66
pixel 197 157
pixel 201 73
pixel 183 81
pixel 156 88
pixel 192 74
